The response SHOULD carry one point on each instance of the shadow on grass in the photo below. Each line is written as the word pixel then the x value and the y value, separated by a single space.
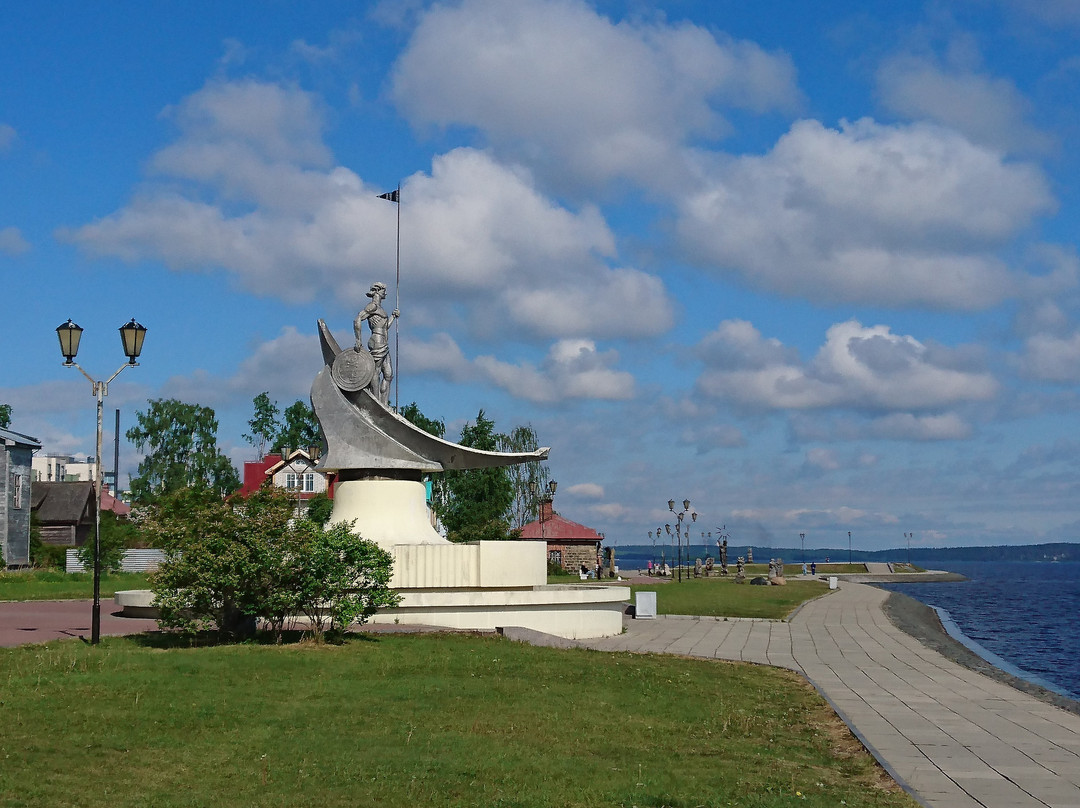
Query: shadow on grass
pixel 165 640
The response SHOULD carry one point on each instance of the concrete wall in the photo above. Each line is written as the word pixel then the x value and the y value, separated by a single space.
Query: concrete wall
pixel 480 565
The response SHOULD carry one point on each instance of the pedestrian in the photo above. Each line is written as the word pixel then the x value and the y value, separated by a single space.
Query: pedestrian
pixel 813 568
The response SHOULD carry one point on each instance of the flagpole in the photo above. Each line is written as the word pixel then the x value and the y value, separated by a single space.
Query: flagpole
pixel 397 306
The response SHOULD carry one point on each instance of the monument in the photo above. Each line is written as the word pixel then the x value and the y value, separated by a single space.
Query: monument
pixel 380 459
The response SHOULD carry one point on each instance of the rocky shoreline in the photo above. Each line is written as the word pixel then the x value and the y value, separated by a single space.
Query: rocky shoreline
pixel 921 622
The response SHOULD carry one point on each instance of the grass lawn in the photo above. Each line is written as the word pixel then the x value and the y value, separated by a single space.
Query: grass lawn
pixel 408 720
pixel 722 597
pixel 56 585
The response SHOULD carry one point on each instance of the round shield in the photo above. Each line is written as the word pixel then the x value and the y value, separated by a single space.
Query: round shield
pixel 353 370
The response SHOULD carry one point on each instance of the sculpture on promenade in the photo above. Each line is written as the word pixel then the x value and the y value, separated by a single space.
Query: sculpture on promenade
pixel 379 342
pixel 379 456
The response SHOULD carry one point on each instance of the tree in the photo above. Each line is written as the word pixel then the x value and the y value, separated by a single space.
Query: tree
pixel 116 536
pixel 524 507
pixel 5 415
pixel 229 564
pixel 320 507
pixel 439 496
pixel 300 428
pixel 180 445
pixel 478 498
pixel 264 423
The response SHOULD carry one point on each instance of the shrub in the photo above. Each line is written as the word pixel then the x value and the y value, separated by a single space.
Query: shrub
pixel 228 565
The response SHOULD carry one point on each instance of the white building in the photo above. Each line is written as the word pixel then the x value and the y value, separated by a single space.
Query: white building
pixel 59 468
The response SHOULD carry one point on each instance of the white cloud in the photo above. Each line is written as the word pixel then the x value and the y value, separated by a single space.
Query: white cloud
pixel 283 366
pixel 900 426
pixel 857 368
pixel 12 241
pixel 572 369
pixel 257 195
pixel 563 88
pixel 585 491
pixel 822 459
pixel 888 215
pixel 1051 358
pixel 987 110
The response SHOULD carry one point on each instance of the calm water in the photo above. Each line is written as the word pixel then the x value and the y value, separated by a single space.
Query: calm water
pixel 1026 613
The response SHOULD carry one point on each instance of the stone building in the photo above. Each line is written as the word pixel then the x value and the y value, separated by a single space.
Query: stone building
pixel 16 456
pixel 569 544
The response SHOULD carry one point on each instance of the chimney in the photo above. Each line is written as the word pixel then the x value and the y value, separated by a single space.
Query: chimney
pixel 545 510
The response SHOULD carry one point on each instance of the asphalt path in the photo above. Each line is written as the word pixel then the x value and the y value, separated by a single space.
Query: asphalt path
pixel 37 621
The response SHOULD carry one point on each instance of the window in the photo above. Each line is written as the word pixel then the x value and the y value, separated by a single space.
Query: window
pixel 555 557
pixel 309 482
pixel 290 480
pixel 16 491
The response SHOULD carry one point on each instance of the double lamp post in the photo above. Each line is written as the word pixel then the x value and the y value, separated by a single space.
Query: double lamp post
pixel 679 517
pixel 131 335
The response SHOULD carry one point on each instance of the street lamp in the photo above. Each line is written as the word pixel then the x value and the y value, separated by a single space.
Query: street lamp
pixel 802 549
pixel 908 536
pixel 849 548
pixel 679 516
pixel 131 337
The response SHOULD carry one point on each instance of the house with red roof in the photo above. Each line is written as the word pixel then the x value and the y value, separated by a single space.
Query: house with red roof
pixel 294 472
pixel 569 544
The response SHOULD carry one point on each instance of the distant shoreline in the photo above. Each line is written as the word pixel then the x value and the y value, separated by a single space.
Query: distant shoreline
pixel 921 622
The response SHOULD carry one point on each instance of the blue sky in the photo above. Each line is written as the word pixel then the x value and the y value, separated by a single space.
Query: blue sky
pixel 813 267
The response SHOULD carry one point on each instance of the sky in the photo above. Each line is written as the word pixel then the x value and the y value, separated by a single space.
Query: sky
pixel 811 266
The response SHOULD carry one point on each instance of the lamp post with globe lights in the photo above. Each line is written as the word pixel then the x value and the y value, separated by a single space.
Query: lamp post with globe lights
pixel 679 517
pixel 131 336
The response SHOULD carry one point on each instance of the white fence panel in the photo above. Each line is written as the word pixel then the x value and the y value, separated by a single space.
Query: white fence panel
pixel 134 561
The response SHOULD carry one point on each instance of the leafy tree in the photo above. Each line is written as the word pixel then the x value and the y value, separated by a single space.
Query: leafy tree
pixel 5 415
pixel 228 565
pixel 300 428
pixel 180 442
pixel 319 508
pixel 524 507
pixel 116 536
pixel 264 423
pixel 478 498
pixel 439 496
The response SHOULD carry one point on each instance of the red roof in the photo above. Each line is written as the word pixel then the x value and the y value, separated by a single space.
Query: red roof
pixel 558 528
pixel 111 503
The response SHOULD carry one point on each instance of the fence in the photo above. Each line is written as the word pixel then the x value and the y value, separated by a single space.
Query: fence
pixel 134 561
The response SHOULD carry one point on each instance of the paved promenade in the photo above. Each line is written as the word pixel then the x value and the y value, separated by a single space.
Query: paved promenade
pixel 952 737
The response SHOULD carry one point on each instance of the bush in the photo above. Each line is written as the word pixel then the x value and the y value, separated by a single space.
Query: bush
pixel 227 566
pixel 116 536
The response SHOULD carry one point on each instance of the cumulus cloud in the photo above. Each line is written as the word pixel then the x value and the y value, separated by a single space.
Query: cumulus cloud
pixel 559 86
pixel 888 215
pixel 900 426
pixel 250 187
pixel 572 369
pixel 12 241
pixel 987 110
pixel 282 366
pixel 586 491
pixel 858 368
pixel 1051 358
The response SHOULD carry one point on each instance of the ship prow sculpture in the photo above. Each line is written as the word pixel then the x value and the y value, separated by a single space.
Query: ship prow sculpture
pixel 362 433
pixel 380 460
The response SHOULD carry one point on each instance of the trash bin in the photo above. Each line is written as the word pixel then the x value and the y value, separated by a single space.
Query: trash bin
pixel 833 581
pixel 645 606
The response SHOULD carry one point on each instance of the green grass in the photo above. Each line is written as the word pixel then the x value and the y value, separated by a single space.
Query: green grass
pixel 407 720
pixel 722 597
pixel 55 585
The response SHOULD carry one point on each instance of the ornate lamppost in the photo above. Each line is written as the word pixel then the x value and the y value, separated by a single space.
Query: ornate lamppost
pixel 131 336
pixel 679 517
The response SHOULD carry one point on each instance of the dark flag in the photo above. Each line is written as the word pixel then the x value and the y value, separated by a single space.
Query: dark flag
pixel 393 196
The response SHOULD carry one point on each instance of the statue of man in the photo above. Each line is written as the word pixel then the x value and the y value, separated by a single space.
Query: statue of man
pixel 378 343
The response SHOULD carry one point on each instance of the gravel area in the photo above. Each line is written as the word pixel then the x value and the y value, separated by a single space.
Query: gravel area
pixel 922 623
